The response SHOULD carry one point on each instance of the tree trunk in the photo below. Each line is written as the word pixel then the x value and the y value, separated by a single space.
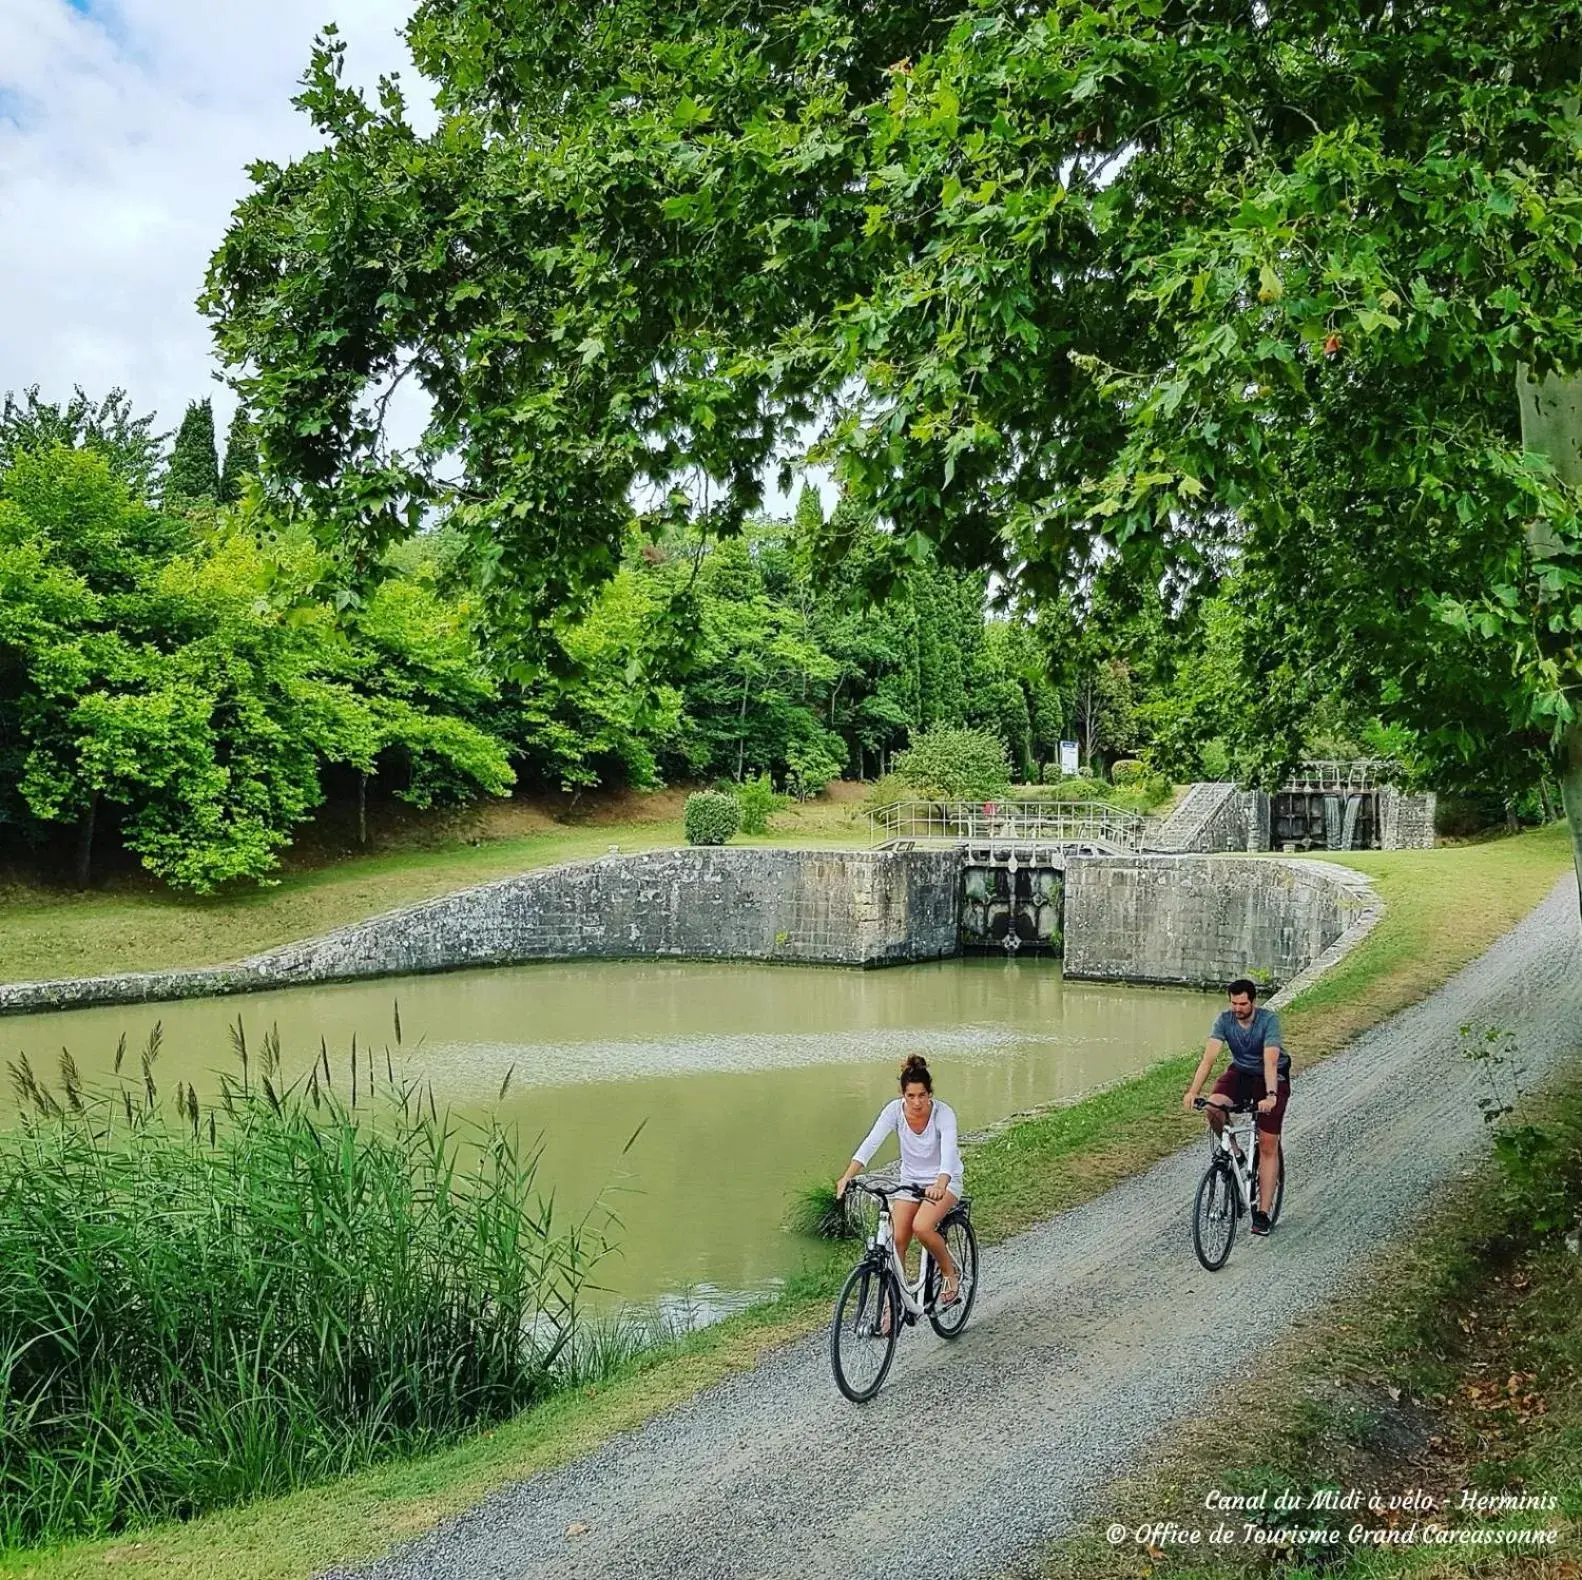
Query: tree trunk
pixel 1088 719
pixel 362 809
pixel 84 862
pixel 1552 426
pixel 741 731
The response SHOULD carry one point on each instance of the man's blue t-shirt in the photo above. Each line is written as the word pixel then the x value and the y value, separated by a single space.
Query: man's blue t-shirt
pixel 1246 1043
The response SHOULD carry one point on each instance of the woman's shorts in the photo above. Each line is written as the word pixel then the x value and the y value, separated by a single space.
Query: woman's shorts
pixel 1242 1086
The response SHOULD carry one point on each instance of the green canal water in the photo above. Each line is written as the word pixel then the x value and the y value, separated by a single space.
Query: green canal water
pixel 741 1083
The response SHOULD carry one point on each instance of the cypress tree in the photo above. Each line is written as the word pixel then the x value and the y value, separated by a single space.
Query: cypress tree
pixel 194 470
pixel 808 520
pixel 241 457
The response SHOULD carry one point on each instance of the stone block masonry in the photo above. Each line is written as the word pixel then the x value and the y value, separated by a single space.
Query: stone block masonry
pixel 845 907
pixel 1213 816
pixel 1200 921
pixel 1195 920
pixel 1406 822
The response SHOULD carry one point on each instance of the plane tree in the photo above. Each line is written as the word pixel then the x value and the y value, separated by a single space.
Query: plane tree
pixel 1183 283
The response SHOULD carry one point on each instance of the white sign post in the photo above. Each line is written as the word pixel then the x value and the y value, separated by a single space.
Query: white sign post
pixel 1068 758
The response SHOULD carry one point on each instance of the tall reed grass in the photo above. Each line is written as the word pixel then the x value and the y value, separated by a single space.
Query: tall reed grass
pixel 202 1305
pixel 815 1211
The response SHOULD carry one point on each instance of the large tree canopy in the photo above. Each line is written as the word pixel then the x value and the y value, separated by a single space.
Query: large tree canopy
pixel 1044 285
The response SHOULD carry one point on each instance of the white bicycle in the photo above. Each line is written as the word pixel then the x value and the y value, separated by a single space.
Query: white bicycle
pixel 1230 1185
pixel 877 1297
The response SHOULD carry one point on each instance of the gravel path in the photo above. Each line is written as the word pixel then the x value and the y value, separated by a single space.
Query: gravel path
pixel 1090 1333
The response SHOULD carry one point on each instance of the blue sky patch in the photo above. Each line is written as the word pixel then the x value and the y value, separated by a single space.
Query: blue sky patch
pixel 104 14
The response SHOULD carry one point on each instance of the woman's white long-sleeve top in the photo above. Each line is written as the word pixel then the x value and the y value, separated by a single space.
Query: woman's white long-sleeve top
pixel 923 1157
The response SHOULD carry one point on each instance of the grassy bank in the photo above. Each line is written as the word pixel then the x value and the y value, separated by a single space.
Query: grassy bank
pixel 59 933
pixel 198 1308
pixel 1444 908
pixel 1452 1365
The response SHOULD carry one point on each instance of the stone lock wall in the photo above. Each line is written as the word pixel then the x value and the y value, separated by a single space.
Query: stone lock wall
pixel 1201 921
pixel 1223 817
pixel 1406 822
pixel 848 907
pixel 859 908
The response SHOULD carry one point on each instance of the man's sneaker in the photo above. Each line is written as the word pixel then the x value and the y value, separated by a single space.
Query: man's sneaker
pixel 1260 1222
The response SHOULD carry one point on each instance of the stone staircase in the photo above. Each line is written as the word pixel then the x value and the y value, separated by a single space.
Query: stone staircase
pixel 1190 826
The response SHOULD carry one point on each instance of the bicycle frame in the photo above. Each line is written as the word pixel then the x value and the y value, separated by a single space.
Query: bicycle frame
pixel 881 1243
pixel 1245 1160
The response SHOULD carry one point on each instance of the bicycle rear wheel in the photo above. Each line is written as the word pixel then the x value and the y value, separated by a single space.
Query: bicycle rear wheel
pixel 1214 1217
pixel 962 1243
pixel 863 1334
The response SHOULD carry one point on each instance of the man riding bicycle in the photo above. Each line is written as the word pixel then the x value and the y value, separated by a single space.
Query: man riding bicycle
pixel 1259 1071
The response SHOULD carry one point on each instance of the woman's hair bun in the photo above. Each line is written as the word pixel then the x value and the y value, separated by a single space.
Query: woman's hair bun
pixel 916 1070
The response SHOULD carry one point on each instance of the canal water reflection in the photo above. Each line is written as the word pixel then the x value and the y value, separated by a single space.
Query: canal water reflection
pixel 747 1081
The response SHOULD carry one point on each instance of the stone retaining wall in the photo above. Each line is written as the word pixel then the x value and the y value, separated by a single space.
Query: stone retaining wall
pixel 1170 919
pixel 851 908
pixel 1200 921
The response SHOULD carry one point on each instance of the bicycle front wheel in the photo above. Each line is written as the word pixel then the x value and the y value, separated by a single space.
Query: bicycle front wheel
pixel 864 1331
pixel 962 1243
pixel 1214 1217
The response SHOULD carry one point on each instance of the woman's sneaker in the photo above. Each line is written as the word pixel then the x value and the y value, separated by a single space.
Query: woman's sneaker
pixel 1260 1222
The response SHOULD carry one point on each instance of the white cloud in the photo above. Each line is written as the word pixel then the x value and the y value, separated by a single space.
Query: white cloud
pixel 125 130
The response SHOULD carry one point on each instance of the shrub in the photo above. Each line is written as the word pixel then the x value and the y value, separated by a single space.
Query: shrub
pixel 952 763
pixel 758 802
pixel 260 1296
pixel 1127 770
pixel 1078 787
pixel 1215 758
pixel 711 817
pixel 1054 774
pixel 885 791
pixel 1142 793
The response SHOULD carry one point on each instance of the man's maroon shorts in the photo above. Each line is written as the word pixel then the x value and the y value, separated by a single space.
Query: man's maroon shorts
pixel 1242 1086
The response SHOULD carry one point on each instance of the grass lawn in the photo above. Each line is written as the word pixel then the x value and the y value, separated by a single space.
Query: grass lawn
pixel 1443 908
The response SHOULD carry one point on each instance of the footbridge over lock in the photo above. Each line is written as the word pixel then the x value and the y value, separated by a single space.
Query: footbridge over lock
pixel 1013 859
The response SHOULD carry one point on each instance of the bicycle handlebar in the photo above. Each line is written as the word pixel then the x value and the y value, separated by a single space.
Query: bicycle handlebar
pixel 885 1191
pixel 1234 1108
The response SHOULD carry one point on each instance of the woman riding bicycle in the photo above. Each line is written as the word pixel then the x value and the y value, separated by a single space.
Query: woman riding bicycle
pixel 930 1160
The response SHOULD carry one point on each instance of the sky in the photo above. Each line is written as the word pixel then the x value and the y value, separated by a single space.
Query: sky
pixel 125 130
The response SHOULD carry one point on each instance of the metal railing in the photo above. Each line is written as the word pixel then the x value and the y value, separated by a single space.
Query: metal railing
pixel 1072 824
pixel 1340 777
